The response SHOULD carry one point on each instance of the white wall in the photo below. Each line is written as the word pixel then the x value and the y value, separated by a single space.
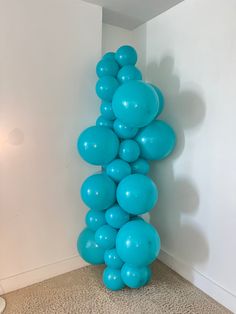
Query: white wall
pixel 48 53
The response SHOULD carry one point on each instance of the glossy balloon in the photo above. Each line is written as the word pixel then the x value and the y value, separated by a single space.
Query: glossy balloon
pixel 118 169
pixel 112 259
pixel 124 131
pixel 116 216
pixel 88 249
pixel 98 192
pixel 107 67
pixel 101 121
pixel 156 141
pixel 106 87
pixel 98 145
pixel 138 243
pixel 109 55
pixel 135 103
pixel 112 279
pixel 105 237
pixel 137 194
pixel 95 219
pixel 161 99
pixel 129 150
pixel 129 73
pixel 140 166
pixel 135 277
pixel 107 111
pixel 126 55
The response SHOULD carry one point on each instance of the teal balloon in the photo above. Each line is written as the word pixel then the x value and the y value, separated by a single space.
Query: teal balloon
pixel 156 141
pixel 161 99
pixel 116 216
pixel 107 67
pixel 126 55
pixel 137 194
pixel 135 277
pixel 138 243
pixel 101 121
pixel 88 249
pixel 110 55
pixel 98 145
pixel 124 131
pixel 106 87
pixel 105 237
pixel 98 192
pixel 129 73
pixel 95 219
pixel 112 259
pixel 107 111
pixel 135 103
pixel 112 279
pixel 140 166
pixel 118 169
pixel 129 150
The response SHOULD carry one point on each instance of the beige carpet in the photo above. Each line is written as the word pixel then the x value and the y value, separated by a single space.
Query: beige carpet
pixel 81 291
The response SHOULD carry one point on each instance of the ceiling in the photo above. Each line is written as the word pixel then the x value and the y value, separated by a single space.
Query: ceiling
pixel 131 13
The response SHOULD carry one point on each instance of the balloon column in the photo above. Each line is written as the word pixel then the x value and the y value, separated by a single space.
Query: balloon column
pixel 127 134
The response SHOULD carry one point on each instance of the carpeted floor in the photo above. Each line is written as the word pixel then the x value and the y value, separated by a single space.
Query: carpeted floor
pixel 81 291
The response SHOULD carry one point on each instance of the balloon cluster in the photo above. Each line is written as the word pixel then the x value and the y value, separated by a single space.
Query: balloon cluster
pixel 126 135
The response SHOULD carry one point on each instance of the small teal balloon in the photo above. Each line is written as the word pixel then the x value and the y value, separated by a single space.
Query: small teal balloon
pixel 95 219
pixel 161 99
pixel 138 243
pixel 129 73
pixel 98 192
pixel 140 166
pixel 129 150
pixel 124 131
pixel 112 279
pixel 107 67
pixel 112 259
pixel 135 277
pixel 101 121
pixel 156 141
pixel 109 55
pixel 88 249
pixel 126 55
pixel 135 103
pixel 118 169
pixel 106 87
pixel 105 237
pixel 98 145
pixel 137 194
pixel 107 111
pixel 116 217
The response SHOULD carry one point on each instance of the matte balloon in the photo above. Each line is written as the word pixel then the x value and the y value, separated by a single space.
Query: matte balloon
pixel 107 67
pixel 129 150
pixel 124 131
pixel 109 55
pixel 157 140
pixel 106 87
pixel 129 73
pixel 135 103
pixel 140 166
pixel 137 194
pixel 118 169
pixel 98 145
pixel 112 279
pixel 105 237
pixel 161 99
pixel 101 121
pixel 88 249
pixel 126 55
pixel 135 277
pixel 112 259
pixel 98 192
pixel 107 111
pixel 116 216
pixel 138 243
pixel 95 219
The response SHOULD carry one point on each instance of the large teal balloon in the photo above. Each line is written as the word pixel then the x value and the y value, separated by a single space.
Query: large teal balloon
pixel 161 99
pixel 88 249
pixel 112 259
pixel 135 103
pixel 105 237
pixel 129 150
pixel 106 87
pixel 116 216
pixel 101 121
pixel 157 140
pixel 95 219
pixel 129 73
pixel 109 55
pixel 137 194
pixel 124 131
pixel 140 166
pixel 107 67
pixel 98 192
pixel 98 145
pixel 107 111
pixel 135 277
pixel 112 279
pixel 118 169
pixel 138 243
pixel 126 55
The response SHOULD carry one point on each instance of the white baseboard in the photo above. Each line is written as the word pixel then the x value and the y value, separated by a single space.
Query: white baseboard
pixel 39 274
pixel 214 290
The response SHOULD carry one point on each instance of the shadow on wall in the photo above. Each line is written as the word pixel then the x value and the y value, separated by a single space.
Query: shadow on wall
pixel 179 197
